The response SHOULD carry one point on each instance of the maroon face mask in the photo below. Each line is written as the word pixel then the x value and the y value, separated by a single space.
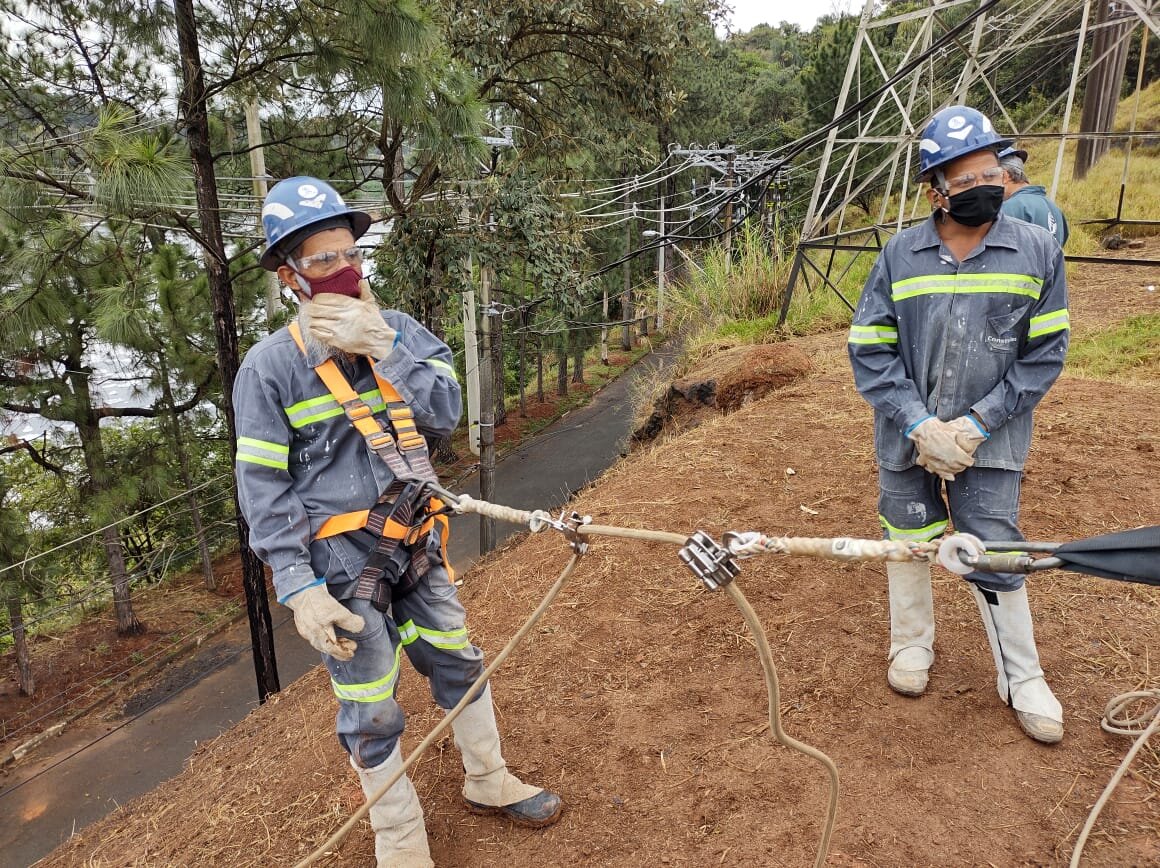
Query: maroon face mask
pixel 345 281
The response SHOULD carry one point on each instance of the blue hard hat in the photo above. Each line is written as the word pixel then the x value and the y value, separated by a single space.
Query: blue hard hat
pixel 954 132
pixel 1013 152
pixel 297 208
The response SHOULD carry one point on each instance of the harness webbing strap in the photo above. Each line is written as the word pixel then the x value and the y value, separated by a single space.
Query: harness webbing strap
pixel 412 463
pixel 409 461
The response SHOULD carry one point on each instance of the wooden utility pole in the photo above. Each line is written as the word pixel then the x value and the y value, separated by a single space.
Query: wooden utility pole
pixel 261 188
pixel 626 293
pixel 193 106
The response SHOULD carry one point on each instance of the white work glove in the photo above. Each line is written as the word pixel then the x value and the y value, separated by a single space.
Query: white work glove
pixel 353 325
pixel 315 615
pixel 938 450
pixel 969 433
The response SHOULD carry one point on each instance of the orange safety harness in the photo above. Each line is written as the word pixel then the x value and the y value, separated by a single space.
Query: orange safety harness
pixel 402 521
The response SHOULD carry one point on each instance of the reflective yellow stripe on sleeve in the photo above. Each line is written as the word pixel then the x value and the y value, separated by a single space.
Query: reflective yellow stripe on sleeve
pixel 444 367
pixel 263 452
pixel 873 334
pixel 1045 324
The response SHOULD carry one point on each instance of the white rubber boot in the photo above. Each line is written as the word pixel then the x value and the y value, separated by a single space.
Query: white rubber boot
pixel 1020 678
pixel 489 786
pixel 397 818
pixel 911 627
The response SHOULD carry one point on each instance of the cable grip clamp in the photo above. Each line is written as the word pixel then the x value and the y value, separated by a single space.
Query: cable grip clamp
pixel 709 561
pixel 569 525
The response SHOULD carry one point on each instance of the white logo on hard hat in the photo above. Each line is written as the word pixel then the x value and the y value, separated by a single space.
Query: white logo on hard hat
pixel 956 122
pixel 929 145
pixel 962 134
pixel 277 209
pixel 986 125
pixel 316 202
pixel 307 191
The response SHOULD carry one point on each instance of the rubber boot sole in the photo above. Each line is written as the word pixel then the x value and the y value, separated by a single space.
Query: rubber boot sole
pixel 515 816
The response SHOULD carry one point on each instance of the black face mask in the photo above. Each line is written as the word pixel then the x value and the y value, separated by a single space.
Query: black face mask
pixel 976 206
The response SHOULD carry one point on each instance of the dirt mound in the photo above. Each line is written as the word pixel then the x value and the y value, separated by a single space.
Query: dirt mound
pixel 639 696
pixel 725 382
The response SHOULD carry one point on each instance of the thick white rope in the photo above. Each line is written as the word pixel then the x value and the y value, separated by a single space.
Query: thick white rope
pixel 1117 722
pixel 843 548
pixel 536 519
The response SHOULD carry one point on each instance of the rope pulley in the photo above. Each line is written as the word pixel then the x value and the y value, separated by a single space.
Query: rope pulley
pixel 710 562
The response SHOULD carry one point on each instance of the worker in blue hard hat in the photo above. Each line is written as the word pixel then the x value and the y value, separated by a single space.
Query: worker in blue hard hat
pixel 1027 201
pixel 961 329
pixel 332 465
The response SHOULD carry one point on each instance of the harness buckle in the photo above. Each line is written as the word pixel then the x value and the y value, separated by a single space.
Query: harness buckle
pixel 356 409
pixel 710 562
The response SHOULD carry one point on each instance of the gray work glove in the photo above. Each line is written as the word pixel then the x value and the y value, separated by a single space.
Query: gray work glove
pixel 938 450
pixel 316 614
pixel 969 433
pixel 353 325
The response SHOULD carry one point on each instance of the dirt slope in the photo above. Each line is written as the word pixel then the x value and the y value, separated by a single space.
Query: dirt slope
pixel 640 697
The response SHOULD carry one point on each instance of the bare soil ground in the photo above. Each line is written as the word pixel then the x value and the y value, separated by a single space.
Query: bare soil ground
pixel 639 696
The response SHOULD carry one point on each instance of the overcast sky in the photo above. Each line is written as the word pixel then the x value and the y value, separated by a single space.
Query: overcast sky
pixel 747 14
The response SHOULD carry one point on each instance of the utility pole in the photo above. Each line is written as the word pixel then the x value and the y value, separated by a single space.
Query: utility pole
pixel 661 265
pixel 626 294
pixel 471 361
pixel 486 414
pixel 258 171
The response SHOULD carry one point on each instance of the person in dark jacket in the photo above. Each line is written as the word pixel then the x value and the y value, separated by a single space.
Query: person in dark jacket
pixel 1027 201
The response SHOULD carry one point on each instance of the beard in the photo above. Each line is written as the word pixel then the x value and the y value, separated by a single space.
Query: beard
pixel 313 345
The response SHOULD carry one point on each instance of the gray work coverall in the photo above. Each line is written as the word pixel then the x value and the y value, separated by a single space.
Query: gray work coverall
pixel 934 336
pixel 300 461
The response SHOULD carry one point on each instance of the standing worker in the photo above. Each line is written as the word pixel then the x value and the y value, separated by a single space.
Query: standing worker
pixel 961 329
pixel 331 463
pixel 1028 201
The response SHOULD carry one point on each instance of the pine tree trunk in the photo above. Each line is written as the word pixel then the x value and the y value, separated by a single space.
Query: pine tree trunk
pixel 193 105
pixel 578 363
pixel 521 371
pixel 562 372
pixel 127 623
pixel 187 480
pixel 540 372
pixel 24 675
pixel 89 433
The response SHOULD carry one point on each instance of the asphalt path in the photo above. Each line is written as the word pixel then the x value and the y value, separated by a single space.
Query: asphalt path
pixel 89 771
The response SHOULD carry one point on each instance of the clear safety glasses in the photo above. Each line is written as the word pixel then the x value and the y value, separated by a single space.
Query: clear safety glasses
pixel 323 263
pixel 988 177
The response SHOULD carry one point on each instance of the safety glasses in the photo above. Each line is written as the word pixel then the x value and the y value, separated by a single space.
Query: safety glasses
pixel 319 264
pixel 988 177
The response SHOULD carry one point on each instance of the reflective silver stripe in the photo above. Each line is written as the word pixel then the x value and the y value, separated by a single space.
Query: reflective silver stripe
pixel 263 452
pixel 1056 321
pixel 873 334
